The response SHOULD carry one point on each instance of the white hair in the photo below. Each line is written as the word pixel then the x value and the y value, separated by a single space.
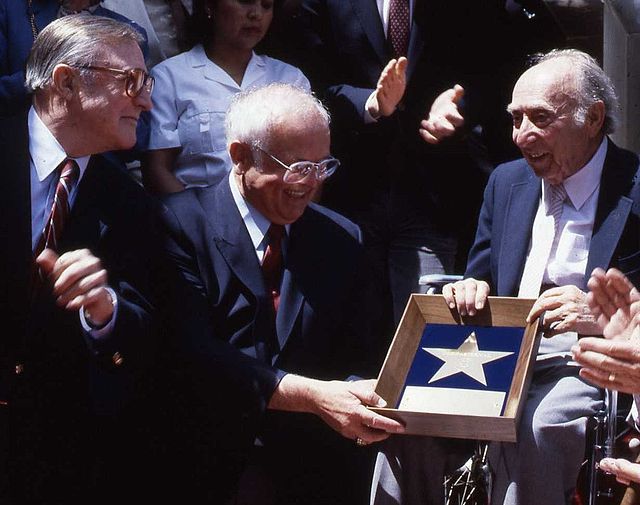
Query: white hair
pixel 593 85
pixel 256 113
pixel 75 40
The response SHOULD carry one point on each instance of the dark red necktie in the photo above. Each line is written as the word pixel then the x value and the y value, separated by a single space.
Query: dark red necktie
pixel 398 29
pixel 272 262
pixel 68 172
pixel 54 225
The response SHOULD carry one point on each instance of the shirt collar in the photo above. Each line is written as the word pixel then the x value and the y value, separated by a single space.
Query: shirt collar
pixel 46 152
pixel 257 225
pixel 198 59
pixel 581 185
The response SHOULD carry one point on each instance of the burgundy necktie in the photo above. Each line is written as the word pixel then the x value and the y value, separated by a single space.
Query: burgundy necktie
pixel 272 262
pixel 54 225
pixel 68 172
pixel 398 29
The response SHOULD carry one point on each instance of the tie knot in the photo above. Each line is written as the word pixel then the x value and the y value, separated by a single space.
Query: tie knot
pixel 558 193
pixel 275 232
pixel 69 172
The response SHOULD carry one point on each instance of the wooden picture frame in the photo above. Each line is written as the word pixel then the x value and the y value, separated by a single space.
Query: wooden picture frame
pixel 452 411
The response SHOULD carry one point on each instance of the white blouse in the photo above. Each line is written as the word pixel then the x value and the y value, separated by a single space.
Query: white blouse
pixel 190 100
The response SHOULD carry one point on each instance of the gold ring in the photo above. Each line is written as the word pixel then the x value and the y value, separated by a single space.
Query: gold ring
pixel 612 377
pixel 360 442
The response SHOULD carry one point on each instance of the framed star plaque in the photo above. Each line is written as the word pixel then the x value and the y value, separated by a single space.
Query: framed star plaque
pixel 461 377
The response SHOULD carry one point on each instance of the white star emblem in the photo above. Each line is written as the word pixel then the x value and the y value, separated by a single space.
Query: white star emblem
pixel 467 359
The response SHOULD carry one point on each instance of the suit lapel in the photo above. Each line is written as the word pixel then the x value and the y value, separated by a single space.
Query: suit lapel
pixel 416 39
pixel 232 239
pixel 611 214
pixel 291 297
pixel 367 12
pixel 521 209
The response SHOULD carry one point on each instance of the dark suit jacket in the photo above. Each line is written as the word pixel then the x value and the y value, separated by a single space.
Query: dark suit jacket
pixel 16 39
pixel 64 407
pixel 342 49
pixel 320 330
pixel 510 204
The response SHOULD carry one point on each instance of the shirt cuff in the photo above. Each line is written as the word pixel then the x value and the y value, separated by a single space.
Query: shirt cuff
pixel 105 330
pixel 368 117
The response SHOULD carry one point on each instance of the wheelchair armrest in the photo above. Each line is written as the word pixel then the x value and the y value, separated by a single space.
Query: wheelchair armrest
pixel 436 281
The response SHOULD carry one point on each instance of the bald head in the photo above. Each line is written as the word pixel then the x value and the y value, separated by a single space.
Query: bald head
pixel 560 116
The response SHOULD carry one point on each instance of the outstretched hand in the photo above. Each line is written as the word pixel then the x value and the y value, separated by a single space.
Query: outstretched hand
pixel 390 88
pixel 444 116
pixel 612 362
pixel 615 302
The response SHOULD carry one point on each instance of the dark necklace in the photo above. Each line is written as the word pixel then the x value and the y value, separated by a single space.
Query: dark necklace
pixel 32 21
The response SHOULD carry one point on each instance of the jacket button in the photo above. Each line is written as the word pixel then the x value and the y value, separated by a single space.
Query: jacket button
pixel 117 359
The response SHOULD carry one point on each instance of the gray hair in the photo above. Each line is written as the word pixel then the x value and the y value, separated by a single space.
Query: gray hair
pixel 593 85
pixel 75 40
pixel 255 113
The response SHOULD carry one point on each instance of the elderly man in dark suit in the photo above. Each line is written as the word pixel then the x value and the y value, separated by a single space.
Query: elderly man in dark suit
pixel 547 220
pixel 276 318
pixel 73 265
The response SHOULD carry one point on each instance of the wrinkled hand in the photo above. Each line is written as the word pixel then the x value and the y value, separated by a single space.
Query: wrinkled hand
pixel 613 364
pixel 342 405
pixel 625 471
pixel 615 302
pixel 78 281
pixel 565 309
pixel 390 88
pixel 444 116
pixel 468 295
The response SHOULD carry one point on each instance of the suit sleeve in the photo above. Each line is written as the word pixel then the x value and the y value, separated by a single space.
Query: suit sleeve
pixel 318 58
pixel 479 260
pixel 216 372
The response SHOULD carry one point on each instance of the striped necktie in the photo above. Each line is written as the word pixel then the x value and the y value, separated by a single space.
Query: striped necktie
pixel 538 258
pixel 60 209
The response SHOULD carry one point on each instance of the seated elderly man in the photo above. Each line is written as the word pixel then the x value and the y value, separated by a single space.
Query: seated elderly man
pixel 547 220
pixel 275 318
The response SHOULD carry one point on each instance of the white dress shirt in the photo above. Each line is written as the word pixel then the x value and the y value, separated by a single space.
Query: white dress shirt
pixel 190 101
pixel 567 261
pixel 46 155
pixel 257 225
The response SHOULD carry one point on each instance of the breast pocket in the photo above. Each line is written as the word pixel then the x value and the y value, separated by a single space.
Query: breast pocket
pixel 202 130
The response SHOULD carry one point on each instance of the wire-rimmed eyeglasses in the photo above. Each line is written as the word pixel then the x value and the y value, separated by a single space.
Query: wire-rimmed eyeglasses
pixel 136 79
pixel 298 170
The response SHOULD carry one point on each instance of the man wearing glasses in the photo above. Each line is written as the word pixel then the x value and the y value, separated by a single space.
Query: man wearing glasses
pixel 75 261
pixel 275 299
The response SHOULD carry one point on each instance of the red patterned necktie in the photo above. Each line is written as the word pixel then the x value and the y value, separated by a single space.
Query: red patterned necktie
pixel 398 29
pixel 54 225
pixel 272 262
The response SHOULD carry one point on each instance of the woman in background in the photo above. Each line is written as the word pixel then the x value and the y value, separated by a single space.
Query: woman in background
pixel 187 145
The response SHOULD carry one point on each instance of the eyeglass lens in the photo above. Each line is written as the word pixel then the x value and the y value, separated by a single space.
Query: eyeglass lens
pixel 137 79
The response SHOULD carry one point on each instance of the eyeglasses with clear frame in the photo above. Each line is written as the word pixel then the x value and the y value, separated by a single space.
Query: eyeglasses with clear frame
pixel 136 79
pixel 299 170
